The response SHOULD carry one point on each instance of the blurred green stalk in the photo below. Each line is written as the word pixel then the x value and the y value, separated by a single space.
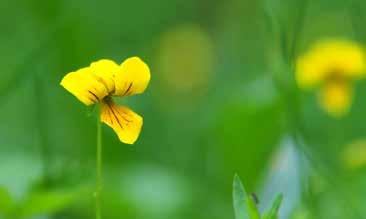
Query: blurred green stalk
pixel 357 15
pixel 42 130
pixel 99 180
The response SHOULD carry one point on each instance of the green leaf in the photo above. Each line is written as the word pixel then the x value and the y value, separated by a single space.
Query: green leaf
pixel 6 202
pixel 252 208
pixel 273 211
pixel 46 202
pixel 239 199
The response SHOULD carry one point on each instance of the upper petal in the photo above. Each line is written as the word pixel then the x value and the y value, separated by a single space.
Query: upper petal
pixel 85 86
pixel 105 70
pixel 328 58
pixel 126 123
pixel 133 77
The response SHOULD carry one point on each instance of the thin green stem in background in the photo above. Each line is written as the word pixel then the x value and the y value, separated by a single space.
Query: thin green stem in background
pixel 355 11
pixel 99 176
pixel 298 29
pixel 43 141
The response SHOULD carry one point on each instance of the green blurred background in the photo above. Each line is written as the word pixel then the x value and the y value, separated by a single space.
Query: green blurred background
pixel 222 100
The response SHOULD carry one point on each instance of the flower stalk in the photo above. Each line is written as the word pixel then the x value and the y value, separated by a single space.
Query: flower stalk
pixel 99 170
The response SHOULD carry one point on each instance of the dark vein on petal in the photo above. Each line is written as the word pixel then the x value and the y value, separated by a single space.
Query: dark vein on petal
pixel 96 97
pixel 91 99
pixel 128 89
pixel 119 113
pixel 110 116
pixel 124 118
pixel 119 123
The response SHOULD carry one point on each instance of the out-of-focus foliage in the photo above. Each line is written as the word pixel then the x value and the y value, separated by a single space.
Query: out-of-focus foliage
pixel 222 100
pixel 37 203
pixel 245 205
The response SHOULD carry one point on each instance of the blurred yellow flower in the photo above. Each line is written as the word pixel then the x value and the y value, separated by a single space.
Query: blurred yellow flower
pixel 332 65
pixel 184 78
pixel 354 154
pixel 104 79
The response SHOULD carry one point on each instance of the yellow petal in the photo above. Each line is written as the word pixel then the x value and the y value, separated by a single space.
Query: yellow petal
pixel 126 123
pixel 308 72
pixel 105 70
pixel 84 86
pixel 335 98
pixel 133 77
pixel 330 58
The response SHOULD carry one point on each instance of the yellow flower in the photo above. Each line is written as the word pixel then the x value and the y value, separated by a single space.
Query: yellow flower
pixel 104 79
pixel 354 154
pixel 332 65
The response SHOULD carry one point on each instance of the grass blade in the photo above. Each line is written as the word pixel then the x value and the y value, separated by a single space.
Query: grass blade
pixel 252 208
pixel 273 212
pixel 239 199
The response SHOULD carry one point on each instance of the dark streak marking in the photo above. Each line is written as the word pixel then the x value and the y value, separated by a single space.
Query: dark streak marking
pixel 128 89
pixel 128 121
pixel 96 97
pixel 115 115
pixel 128 115
pixel 110 116
pixel 91 99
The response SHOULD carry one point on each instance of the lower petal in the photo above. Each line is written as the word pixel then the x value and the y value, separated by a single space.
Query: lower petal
pixel 336 98
pixel 126 123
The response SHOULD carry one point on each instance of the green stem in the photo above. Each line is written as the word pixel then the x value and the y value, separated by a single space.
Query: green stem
pixel 99 180
pixel 42 130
